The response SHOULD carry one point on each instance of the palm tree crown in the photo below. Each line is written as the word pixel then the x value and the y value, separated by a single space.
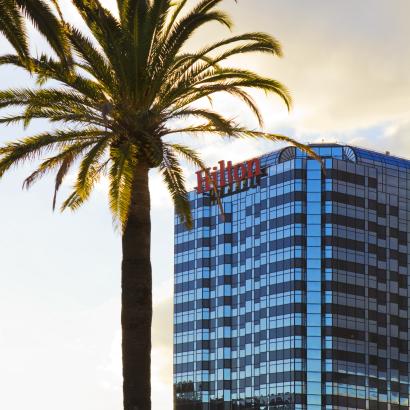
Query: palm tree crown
pixel 115 97
pixel 120 90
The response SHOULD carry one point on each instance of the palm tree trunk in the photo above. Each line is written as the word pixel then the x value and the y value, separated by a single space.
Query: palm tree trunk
pixel 136 315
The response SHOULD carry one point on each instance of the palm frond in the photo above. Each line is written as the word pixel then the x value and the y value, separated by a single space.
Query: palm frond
pixel 110 36
pixel 191 156
pixel 44 98
pixel 73 202
pixel 47 68
pixel 173 15
pixel 183 30
pixel 121 86
pixel 90 169
pixel 96 63
pixel 249 43
pixel 253 134
pixel 50 164
pixel 30 148
pixel 88 175
pixel 13 28
pixel 42 17
pixel 61 173
pixel 121 177
pixel 214 119
pixel 173 178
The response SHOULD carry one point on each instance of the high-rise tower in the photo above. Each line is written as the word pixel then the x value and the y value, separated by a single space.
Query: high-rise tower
pixel 298 296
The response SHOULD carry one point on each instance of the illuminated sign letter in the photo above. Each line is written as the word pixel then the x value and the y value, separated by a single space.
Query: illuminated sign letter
pixel 240 172
pixel 203 177
pixel 254 168
pixel 222 181
pixel 229 172
pixel 227 175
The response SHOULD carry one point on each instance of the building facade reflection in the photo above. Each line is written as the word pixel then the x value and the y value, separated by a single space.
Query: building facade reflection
pixel 298 297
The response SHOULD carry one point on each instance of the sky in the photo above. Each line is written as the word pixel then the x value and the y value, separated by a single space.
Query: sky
pixel 347 64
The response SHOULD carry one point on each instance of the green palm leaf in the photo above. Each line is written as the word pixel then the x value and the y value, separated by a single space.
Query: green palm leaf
pixel 114 95
pixel 173 177
pixel 12 26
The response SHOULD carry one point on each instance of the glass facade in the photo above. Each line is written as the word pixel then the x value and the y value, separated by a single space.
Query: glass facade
pixel 298 297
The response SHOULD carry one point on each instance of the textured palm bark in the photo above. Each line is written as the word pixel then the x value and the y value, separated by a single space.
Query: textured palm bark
pixel 136 315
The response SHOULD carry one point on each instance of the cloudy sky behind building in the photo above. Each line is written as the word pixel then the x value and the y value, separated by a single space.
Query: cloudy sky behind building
pixel 347 64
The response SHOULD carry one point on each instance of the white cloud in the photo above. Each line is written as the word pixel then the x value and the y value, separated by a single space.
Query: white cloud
pixel 346 63
pixel 393 138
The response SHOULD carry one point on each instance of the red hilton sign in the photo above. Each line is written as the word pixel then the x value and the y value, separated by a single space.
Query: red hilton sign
pixel 228 174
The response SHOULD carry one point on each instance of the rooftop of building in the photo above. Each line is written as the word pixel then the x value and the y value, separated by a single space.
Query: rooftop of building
pixel 343 152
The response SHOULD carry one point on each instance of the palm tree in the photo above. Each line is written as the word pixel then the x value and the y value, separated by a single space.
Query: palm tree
pixel 114 96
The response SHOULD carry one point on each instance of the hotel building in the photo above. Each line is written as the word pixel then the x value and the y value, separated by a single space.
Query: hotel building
pixel 297 296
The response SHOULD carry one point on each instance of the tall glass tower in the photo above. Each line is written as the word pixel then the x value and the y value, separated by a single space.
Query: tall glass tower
pixel 297 297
